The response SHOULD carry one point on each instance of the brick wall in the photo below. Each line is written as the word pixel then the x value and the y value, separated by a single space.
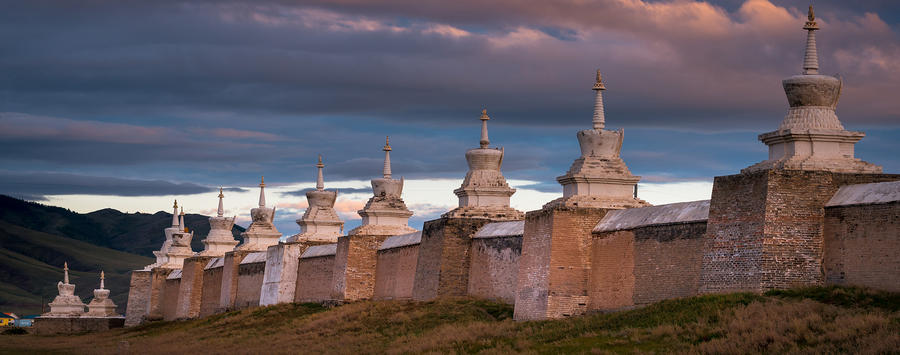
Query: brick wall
pixel 190 291
pixel 250 280
pixel 395 272
pixel 138 298
pixel 230 279
pixel 443 268
pixel 611 284
pixel 766 228
pixel 52 326
pixel 354 267
pixel 170 299
pixel 157 292
pixel 862 245
pixel 314 279
pixel 494 267
pixel 532 280
pixel 212 291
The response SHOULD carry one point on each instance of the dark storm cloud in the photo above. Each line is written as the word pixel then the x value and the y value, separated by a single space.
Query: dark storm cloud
pixel 37 185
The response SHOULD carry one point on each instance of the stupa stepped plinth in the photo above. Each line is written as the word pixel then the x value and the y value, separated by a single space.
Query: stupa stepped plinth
pixel 484 192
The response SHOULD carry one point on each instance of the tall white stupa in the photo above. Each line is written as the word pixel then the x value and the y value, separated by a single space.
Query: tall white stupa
pixel 66 304
pixel 320 222
pixel 262 232
pixel 599 178
pixel 385 213
pixel 219 240
pixel 177 245
pixel 811 137
pixel 484 192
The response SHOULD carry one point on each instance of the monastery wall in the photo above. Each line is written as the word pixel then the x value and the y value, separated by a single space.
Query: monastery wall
pixel 862 237
pixel 315 274
pixel 170 295
pixel 138 306
pixel 158 278
pixel 395 271
pixel 250 279
pixel 494 261
pixel 228 291
pixel 54 326
pixel 190 291
pixel 212 287
pixel 354 267
pixel 443 268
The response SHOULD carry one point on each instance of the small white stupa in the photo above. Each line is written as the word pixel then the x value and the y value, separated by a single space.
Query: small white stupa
pixel 385 213
pixel 320 222
pixel 219 240
pixel 177 245
pixel 262 232
pixel 811 137
pixel 101 305
pixel 599 178
pixel 484 192
pixel 66 304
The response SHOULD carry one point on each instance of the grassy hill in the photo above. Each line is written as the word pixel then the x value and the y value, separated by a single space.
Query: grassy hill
pixel 815 320
pixel 36 239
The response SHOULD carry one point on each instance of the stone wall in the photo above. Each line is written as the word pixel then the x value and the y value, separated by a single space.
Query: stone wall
pixel 158 278
pixel 494 267
pixel 443 266
pixel 862 245
pixel 212 287
pixel 396 272
pixel 645 265
pixel 556 262
pixel 765 228
pixel 354 267
pixel 53 326
pixel 138 307
pixel 314 277
pixel 250 279
pixel 190 291
pixel 280 278
pixel 228 291
pixel 170 295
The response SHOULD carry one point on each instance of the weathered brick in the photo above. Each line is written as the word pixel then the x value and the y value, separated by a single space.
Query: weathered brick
pixel 862 245
pixel 494 267
pixel 395 272
pixel 443 266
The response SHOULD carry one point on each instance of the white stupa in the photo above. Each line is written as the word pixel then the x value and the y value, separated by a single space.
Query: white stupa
pixel 385 213
pixel 66 304
pixel 811 137
pixel 262 232
pixel 320 222
pixel 599 178
pixel 219 240
pixel 484 192
pixel 177 245
pixel 101 305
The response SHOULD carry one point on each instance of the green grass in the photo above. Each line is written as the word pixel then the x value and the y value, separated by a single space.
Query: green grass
pixel 811 320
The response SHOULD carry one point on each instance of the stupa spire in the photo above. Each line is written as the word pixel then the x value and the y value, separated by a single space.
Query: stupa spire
pixel 484 132
pixel 599 116
pixel 181 219
pixel 320 180
pixel 175 214
pixel 221 211
pixel 262 191
pixel 102 277
pixel 811 59
pixel 66 272
pixel 387 157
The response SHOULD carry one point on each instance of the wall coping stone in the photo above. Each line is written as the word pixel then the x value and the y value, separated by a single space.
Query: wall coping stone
pixel 254 257
pixel 501 229
pixel 214 263
pixel 631 218
pixel 865 194
pixel 175 275
pixel 319 250
pixel 401 240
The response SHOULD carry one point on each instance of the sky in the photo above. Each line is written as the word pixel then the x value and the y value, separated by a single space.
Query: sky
pixel 131 104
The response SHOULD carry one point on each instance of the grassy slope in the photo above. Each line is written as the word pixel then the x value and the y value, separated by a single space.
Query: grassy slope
pixel 807 321
pixel 30 264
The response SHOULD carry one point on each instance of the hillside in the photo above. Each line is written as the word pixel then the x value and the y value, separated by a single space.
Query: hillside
pixel 136 233
pixel 36 239
pixel 816 320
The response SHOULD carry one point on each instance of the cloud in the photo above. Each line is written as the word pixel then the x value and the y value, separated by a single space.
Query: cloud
pixel 39 184
pixel 346 190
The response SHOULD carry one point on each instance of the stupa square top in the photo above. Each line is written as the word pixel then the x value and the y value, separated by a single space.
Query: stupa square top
pixel 599 178
pixel 484 192
pixel 811 137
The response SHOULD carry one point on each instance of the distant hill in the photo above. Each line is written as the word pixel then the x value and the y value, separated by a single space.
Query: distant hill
pixel 136 233
pixel 36 239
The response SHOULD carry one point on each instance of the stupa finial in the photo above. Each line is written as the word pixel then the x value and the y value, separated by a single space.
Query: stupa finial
pixel 181 220
pixel 221 211
pixel 175 214
pixel 262 191
pixel 320 180
pixel 599 116
pixel 66 272
pixel 484 132
pixel 811 59
pixel 387 157
pixel 102 277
